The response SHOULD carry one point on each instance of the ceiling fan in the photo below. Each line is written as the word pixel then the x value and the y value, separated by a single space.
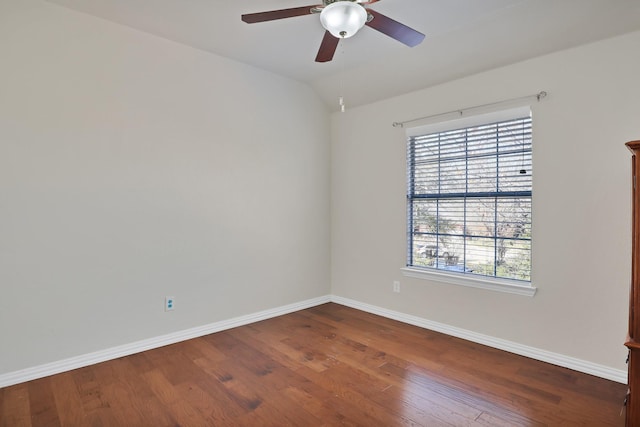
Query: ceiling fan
pixel 342 19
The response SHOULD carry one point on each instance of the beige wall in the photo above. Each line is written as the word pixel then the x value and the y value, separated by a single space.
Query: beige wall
pixel 581 211
pixel 132 168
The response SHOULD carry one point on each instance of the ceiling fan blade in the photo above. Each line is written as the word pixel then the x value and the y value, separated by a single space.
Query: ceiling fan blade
pixel 394 29
pixel 327 48
pixel 252 18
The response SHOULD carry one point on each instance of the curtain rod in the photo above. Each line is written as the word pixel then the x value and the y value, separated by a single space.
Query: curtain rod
pixel 538 96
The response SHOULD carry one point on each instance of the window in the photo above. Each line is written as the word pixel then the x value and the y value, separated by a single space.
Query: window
pixel 469 198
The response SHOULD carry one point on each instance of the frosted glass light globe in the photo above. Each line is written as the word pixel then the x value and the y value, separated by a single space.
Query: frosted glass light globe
pixel 343 18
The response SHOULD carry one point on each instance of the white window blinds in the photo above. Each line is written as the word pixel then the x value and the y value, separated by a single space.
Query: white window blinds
pixel 469 199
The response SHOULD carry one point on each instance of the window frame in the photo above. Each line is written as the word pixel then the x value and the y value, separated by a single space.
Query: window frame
pixel 513 286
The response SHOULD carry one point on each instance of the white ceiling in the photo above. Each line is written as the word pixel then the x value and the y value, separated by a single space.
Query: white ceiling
pixel 463 37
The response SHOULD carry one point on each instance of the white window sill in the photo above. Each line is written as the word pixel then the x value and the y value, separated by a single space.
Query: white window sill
pixel 492 284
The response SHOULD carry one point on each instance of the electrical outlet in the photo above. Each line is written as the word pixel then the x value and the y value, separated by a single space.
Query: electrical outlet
pixel 169 303
pixel 396 287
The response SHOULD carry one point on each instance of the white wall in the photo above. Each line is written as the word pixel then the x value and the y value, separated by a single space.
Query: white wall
pixel 132 168
pixel 581 212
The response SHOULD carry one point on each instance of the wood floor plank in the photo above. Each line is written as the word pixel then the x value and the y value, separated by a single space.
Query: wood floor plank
pixel 16 409
pixel 211 403
pixel 329 365
pixel 68 400
pixel 229 373
pixel 96 408
pixel 42 403
pixel 317 406
pixel 124 389
pixel 183 412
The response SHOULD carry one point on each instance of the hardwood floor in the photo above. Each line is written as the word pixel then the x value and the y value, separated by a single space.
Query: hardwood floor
pixel 325 366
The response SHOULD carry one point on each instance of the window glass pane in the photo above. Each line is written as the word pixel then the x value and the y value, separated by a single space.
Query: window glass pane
pixel 483 141
pixel 480 255
pixel 483 175
pixel 514 260
pixel 426 179
pixel 425 250
pixel 450 217
pixel 452 178
pixel 509 175
pixel 513 218
pixel 425 215
pixel 451 254
pixel 481 217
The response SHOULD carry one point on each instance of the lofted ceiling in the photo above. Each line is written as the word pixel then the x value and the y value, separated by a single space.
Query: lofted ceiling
pixel 463 37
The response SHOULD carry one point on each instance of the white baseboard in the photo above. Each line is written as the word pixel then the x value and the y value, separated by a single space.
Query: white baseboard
pixel 512 347
pixel 71 363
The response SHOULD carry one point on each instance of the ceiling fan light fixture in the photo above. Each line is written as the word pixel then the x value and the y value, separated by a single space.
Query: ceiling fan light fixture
pixel 343 18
